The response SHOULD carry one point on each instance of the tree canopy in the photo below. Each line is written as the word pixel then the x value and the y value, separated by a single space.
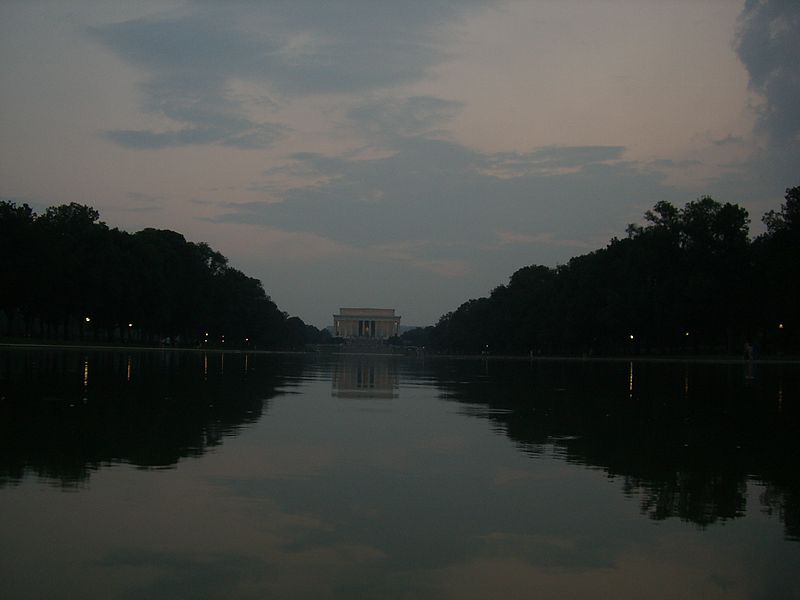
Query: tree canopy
pixel 67 275
pixel 689 280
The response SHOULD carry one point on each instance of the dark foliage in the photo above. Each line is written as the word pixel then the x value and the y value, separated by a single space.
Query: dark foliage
pixel 689 281
pixel 65 275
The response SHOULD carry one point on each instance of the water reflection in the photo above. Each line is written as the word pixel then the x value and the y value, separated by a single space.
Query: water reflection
pixel 630 381
pixel 85 374
pixel 684 452
pixel 65 414
pixel 364 377
pixel 476 479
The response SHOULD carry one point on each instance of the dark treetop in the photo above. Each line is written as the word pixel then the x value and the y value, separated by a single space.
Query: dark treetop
pixel 67 276
pixel 690 281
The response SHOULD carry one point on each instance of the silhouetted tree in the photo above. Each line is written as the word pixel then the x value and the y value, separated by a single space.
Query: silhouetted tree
pixel 419 336
pixel 687 280
pixel 19 254
pixel 66 272
pixel 776 258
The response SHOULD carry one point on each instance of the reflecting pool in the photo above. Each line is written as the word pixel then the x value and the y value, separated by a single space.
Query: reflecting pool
pixel 181 474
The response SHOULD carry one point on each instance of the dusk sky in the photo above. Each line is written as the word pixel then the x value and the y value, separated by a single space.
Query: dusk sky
pixel 409 154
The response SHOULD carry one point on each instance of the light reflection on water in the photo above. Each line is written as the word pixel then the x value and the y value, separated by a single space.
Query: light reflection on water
pixel 248 475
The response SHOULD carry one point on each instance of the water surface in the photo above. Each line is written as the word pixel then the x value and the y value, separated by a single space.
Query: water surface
pixel 191 475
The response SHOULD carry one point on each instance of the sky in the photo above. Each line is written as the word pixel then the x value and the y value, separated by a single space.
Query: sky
pixel 404 154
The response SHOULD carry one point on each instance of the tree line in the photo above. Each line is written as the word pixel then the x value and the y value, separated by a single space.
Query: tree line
pixel 67 276
pixel 688 281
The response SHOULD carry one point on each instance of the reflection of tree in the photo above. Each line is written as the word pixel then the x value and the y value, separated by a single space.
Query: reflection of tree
pixel 784 501
pixel 685 439
pixel 701 498
pixel 65 414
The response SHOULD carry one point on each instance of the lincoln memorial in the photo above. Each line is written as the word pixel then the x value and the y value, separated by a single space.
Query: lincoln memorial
pixel 366 323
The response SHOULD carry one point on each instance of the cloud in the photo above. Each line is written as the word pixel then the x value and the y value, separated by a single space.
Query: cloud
pixel 289 47
pixel 547 238
pixel 317 163
pixel 307 46
pixel 414 254
pixel 403 116
pixel 140 202
pixel 552 159
pixel 245 136
pixel 768 44
pixel 191 63
pixel 429 190
pixel 729 140
pixel 668 163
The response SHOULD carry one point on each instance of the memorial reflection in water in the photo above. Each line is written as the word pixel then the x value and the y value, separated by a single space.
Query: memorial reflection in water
pixel 365 377
pixel 243 476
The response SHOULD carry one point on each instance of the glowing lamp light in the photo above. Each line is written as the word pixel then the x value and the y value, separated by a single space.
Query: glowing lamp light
pixel 780 325
pixel 88 319
pixel 631 336
pixel 130 324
